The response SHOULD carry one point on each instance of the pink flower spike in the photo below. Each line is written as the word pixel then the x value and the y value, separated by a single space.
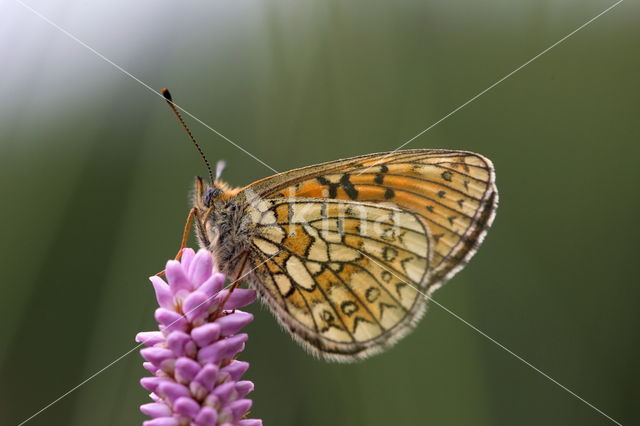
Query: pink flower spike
pixel 187 355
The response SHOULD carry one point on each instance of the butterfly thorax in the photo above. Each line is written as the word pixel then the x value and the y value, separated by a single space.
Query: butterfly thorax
pixel 224 229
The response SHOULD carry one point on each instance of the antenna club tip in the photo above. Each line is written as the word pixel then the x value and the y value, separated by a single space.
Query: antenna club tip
pixel 166 94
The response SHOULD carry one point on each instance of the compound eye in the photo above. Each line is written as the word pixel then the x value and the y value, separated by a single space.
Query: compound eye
pixel 210 195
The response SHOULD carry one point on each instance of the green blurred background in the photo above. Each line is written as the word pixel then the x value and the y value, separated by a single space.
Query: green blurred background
pixel 95 174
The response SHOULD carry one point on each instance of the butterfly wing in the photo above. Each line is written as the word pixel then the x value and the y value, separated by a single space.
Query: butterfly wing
pixel 339 273
pixel 440 204
pixel 453 192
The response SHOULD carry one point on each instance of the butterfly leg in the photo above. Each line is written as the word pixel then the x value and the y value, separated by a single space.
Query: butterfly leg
pixel 187 229
pixel 233 285
pixel 185 233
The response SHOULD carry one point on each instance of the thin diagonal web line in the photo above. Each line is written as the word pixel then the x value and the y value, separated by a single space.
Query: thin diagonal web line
pixel 142 83
pixel 500 345
pixel 492 86
pixel 91 377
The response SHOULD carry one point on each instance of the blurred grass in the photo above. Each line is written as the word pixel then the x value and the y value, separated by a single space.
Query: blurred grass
pixel 94 176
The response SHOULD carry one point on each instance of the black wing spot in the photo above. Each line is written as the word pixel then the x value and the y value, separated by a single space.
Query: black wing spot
pixel 349 308
pixel 348 187
pixel 388 234
pixel 333 187
pixel 389 254
pixel 323 180
pixel 328 317
pixel 441 194
pixel 447 175
pixel 388 194
pixel 372 294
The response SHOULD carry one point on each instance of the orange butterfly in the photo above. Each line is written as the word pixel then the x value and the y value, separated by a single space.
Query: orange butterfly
pixel 344 253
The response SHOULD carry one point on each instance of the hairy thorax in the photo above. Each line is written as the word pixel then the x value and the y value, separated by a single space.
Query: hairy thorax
pixel 228 235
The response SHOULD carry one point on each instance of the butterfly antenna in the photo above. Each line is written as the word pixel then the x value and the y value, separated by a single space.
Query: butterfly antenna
pixel 169 99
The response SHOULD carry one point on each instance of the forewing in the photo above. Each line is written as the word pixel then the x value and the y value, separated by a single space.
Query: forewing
pixel 453 194
pixel 339 273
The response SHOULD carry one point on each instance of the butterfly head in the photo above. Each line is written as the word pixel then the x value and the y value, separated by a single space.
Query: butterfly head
pixel 212 194
pixel 209 196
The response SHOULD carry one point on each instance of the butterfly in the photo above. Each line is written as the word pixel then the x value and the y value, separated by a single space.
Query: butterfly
pixel 346 253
